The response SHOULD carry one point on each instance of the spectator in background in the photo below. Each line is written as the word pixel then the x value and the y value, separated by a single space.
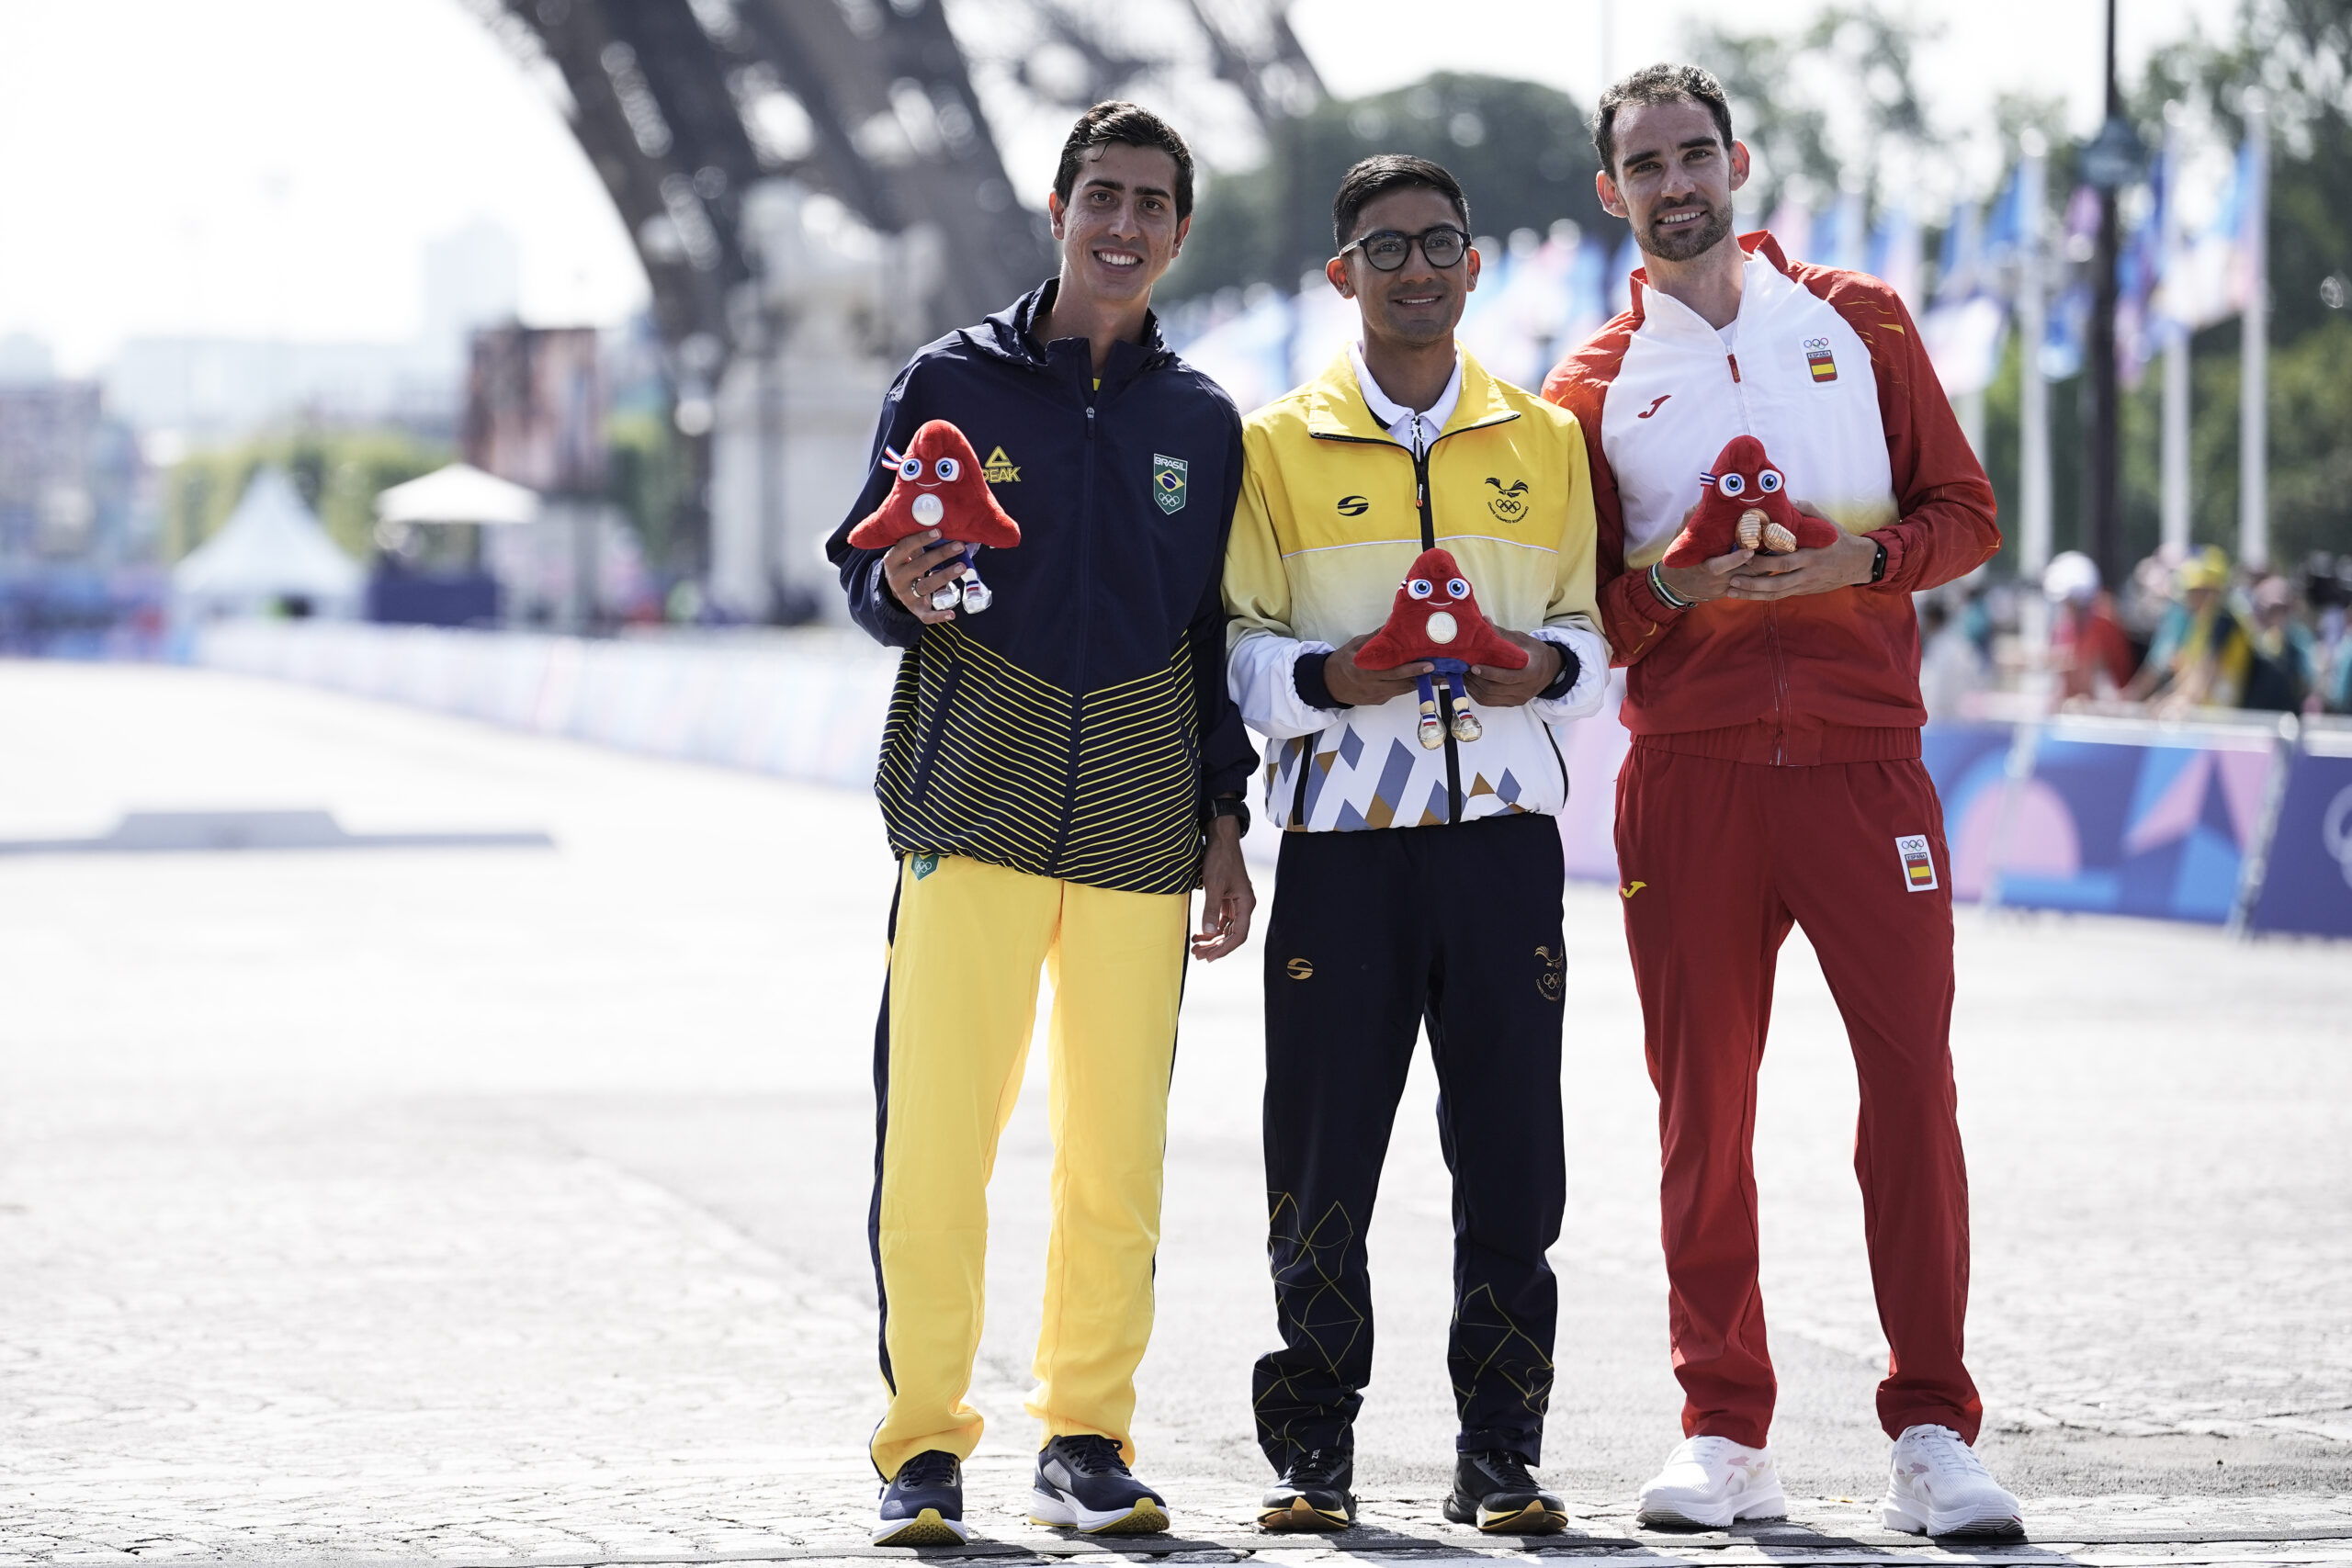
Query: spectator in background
pixel 2284 675
pixel 2327 588
pixel 2146 601
pixel 2202 652
pixel 2087 645
pixel 1951 667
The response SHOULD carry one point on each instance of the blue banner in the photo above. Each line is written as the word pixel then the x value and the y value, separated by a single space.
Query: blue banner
pixel 2159 828
pixel 2308 886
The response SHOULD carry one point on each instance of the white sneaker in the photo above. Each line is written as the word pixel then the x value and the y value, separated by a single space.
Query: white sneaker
pixel 1938 1486
pixel 1710 1482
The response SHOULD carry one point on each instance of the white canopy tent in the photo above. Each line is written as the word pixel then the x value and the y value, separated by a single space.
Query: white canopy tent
pixel 458 494
pixel 270 554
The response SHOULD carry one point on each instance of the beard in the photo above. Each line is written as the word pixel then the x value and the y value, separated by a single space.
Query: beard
pixel 1682 244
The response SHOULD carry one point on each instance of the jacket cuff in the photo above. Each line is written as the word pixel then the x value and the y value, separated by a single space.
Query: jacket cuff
pixel 1307 680
pixel 1564 682
pixel 1653 608
pixel 1894 541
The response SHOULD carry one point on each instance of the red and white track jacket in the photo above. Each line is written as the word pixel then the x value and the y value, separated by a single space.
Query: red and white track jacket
pixel 1826 369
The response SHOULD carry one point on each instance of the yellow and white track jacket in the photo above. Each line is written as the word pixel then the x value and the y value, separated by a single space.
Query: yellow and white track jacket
pixel 1333 512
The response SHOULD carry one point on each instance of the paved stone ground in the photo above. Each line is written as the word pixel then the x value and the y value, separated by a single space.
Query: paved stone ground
pixel 506 1206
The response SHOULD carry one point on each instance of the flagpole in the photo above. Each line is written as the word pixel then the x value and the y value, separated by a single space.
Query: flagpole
pixel 2254 370
pixel 2033 391
pixel 2175 336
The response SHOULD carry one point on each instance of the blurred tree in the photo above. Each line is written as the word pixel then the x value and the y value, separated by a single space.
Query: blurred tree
pixel 648 476
pixel 2299 52
pixel 1864 58
pixel 1522 153
pixel 338 473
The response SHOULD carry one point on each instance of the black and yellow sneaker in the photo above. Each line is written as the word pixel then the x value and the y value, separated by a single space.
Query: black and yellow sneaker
pixel 1083 1484
pixel 1494 1492
pixel 1313 1493
pixel 924 1503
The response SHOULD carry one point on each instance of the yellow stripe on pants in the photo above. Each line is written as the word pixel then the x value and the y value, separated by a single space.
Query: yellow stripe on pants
pixel 970 939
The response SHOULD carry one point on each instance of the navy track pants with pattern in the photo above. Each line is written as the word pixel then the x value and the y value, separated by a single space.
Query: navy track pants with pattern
pixel 1373 934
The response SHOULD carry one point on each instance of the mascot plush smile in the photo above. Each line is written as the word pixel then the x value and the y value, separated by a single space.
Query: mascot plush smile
pixel 1744 505
pixel 940 486
pixel 1436 617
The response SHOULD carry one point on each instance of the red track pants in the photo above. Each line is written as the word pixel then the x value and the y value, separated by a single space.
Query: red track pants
pixel 1715 860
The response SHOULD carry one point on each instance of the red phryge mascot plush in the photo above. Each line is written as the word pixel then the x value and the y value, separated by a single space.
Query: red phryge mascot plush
pixel 1744 505
pixel 940 486
pixel 1435 617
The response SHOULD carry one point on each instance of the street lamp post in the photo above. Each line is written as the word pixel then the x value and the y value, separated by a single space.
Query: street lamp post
pixel 2110 161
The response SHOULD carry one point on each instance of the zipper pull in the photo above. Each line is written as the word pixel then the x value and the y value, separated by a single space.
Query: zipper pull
pixel 1733 358
pixel 1089 422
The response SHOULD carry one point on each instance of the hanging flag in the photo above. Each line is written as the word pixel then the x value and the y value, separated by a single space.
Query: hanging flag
pixel 1960 264
pixel 1792 228
pixel 1894 254
pixel 2139 270
pixel 2208 280
pixel 2065 333
pixel 1629 262
pixel 1588 286
pixel 2006 226
pixel 1965 328
pixel 1846 242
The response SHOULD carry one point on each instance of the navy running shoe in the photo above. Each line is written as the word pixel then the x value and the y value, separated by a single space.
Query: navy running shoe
pixel 924 1503
pixel 1083 1484
pixel 1313 1495
pixel 1494 1492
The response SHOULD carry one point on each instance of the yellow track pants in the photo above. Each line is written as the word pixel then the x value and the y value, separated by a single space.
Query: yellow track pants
pixel 967 942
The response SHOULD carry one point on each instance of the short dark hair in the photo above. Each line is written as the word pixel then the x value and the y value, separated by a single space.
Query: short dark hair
pixel 1115 120
pixel 1657 84
pixel 1376 176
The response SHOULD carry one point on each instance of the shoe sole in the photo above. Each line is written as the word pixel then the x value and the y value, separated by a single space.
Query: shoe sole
pixel 1057 1512
pixel 1303 1516
pixel 1957 1526
pixel 1772 1504
pixel 1534 1518
pixel 929 1528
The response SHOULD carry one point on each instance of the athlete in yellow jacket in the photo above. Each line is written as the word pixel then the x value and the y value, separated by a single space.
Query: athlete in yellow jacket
pixel 1414 883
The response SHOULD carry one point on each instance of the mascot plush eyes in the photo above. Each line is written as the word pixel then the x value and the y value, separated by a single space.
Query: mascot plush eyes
pixel 1744 504
pixel 1436 617
pixel 939 485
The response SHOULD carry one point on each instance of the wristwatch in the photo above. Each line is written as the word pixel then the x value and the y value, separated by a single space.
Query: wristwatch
pixel 1878 564
pixel 1231 805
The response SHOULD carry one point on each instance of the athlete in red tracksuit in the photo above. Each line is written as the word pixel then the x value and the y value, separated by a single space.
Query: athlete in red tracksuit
pixel 1775 778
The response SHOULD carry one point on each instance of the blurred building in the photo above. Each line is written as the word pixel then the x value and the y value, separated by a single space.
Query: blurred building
pixel 204 389
pixel 832 311
pixel 536 399
pixel 69 476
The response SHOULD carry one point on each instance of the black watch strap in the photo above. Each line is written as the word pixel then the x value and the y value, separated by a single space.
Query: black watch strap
pixel 1878 564
pixel 1231 805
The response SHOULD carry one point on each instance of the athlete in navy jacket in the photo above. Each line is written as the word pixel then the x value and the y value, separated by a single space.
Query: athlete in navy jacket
pixel 1059 772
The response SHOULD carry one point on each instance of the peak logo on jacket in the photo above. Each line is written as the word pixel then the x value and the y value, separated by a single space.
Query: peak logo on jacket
pixel 1000 469
pixel 1508 502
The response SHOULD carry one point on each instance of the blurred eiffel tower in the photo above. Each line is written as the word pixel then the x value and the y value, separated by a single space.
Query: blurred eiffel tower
pixel 893 107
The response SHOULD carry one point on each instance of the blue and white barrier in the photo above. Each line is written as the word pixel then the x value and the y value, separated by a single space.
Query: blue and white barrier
pixel 2245 822
pixel 806 707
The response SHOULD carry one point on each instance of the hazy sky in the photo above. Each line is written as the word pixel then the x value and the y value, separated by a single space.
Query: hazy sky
pixel 273 167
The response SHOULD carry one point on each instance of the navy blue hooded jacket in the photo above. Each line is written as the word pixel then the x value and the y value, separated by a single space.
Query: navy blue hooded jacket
pixel 1077 727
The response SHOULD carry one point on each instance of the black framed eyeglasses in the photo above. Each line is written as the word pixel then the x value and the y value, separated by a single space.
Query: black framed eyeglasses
pixel 1386 249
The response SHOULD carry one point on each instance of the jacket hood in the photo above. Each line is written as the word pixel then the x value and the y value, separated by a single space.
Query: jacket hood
pixel 1011 333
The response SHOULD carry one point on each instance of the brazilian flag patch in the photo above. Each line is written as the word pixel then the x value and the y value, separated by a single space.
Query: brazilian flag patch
pixel 1168 483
